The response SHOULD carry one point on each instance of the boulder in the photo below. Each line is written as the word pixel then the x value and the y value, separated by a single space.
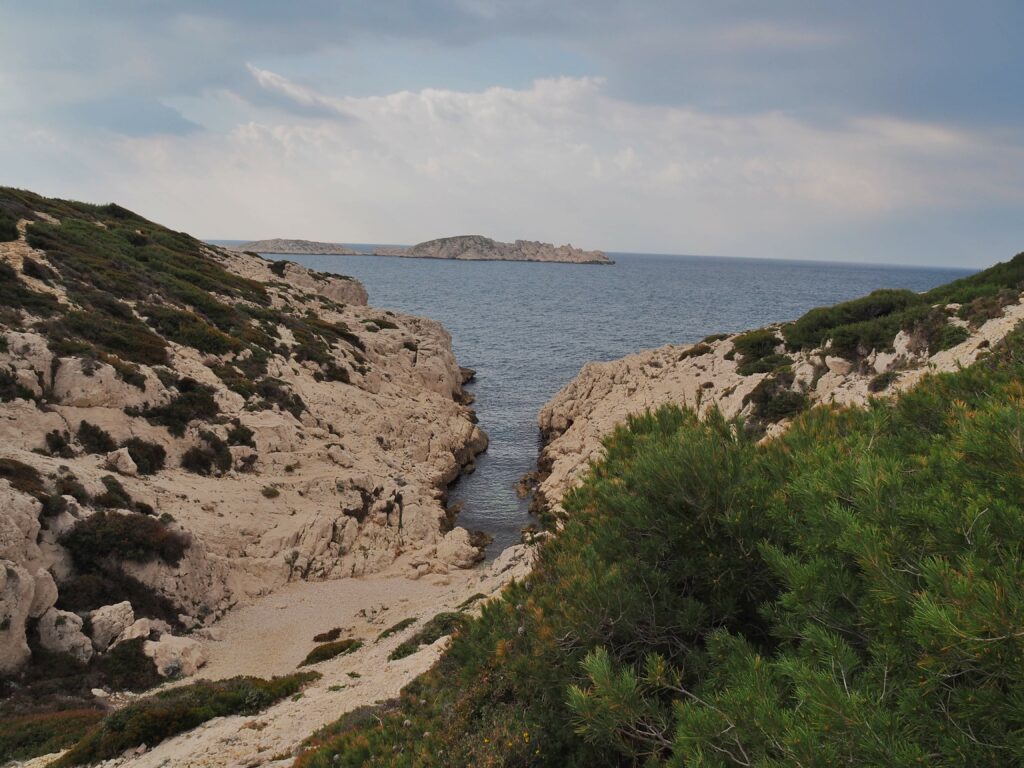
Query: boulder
pixel 16 588
pixel 175 656
pixel 120 461
pixel 61 632
pixel 456 549
pixel 838 365
pixel 139 628
pixel 45 594
pixel 109 622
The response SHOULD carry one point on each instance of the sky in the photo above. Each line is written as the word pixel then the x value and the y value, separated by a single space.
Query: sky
pixel 887 132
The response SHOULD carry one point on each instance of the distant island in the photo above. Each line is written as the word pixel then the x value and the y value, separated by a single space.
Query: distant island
pixel 308 247
pixel 480 248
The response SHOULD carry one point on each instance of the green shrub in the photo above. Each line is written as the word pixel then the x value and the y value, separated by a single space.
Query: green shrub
pixel 94 439
pixel 276 392
pixel 394 629
pixel 193 401
pixel 774 399
pixel 697 350
pixel 847 593
pixel 114 495
pixel 39 271
pixel 860 320
pixel 197 460
pixel 12 389
pixel 328 636
pixel 213 454
pixel 152 719
pixel 330 650
pixel 8 227
pixel 190 330
pixel 148 457
pixel 114 330
pixel 26 736
pixel 882 381
pixel 440 625
pixel 279 267
pixel 16 295
pixel 22 477
pixel 948 337
pixel 126 667
pixel 270 492
pixel 100 586
pixel 124 537
pixel 239 434
pixel 57 444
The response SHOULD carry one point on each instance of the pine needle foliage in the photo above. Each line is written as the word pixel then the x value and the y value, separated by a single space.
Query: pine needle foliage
pixel 849 593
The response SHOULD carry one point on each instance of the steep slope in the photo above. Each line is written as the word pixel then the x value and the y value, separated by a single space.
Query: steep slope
pixel 183 428
pixel 480 248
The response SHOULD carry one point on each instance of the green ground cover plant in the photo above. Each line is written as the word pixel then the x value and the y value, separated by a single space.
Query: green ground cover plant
pixel 154 718
pixel 847 593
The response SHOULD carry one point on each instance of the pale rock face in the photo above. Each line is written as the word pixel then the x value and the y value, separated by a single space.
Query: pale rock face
pixel 456 550
pixel 61 632
pixel 73 386
pixel 16 592
pixel 139 628
pixel 360 472
pixel 109 622
pixel 44 595
pixel 120 461
pixel 837 365
pixel 603 395
pixel 175 656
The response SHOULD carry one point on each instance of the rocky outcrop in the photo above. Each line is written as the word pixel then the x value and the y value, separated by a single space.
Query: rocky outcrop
pixel 479 248
pixel 705 375
pixel 61 632
pixel 109 622
pixel 327 438
pixel 308 247
pixel 175 656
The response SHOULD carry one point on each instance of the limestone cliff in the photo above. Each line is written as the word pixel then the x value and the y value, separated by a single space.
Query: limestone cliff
pixel 184 427
pixel 479 248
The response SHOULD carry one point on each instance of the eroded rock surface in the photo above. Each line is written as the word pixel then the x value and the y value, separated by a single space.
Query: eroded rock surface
pixel 704 375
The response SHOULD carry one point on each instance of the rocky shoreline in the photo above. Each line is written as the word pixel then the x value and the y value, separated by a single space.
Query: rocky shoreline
pixel 333 464
pixel 709 374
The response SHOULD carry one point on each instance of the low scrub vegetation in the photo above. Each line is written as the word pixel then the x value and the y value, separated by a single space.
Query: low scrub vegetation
pixel 94 439
pixel 26 736
pixel 194 401
pixel 847 593
pixel 123 536
pixel 152 719
pixel 440 625
pixel 855 328
pixel 394 629
pixel 148 457
pixel 331 649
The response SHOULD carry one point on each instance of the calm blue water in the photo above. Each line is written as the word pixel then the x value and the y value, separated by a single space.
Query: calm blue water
pixel 528 328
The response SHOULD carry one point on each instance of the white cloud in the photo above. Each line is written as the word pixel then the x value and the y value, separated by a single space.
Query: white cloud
pixel 560 160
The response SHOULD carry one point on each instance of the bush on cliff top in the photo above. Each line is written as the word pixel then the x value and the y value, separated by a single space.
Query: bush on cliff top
pixel 130 536
pixel 848 593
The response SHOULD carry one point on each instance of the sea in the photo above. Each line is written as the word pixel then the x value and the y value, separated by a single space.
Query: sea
pixel 527 328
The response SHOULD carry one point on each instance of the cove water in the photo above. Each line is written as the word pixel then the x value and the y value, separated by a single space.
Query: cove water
pixel 527 329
